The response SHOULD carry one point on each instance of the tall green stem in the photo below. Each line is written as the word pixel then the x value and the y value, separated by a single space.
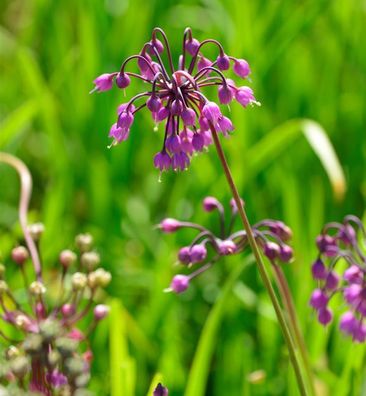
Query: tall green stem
pixel 293 322
pixel 262 269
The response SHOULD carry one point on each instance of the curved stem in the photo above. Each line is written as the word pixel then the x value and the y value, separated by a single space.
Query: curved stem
pixel 25 194
pixel 262 269
pixel 294 323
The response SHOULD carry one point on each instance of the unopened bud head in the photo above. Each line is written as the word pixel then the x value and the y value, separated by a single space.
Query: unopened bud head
pixel 170 225
pixel 101 311
pixel 37 288
pixel 36 230
pixel 84 242
pixel 67 258
pixel 19 254
pixel 90 260
pixel 78 281
pixel 20 366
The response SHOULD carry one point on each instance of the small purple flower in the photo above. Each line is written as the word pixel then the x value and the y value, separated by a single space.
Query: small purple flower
pixel 319 270
pixel 104 82
pixel 225 94
pixel 241 68
pixel 184 255
pixel 348 323
pixel 325 316
pixel 180 283
pixel 226 247
pixel 223 62
pixel 169 225
pixel 188 116
pixel 198 253
pixel 210 204
pixel 271 250
pixel 286 253
pixel 331 281
pixel 244 95
pixel 162 161
pixel 123 80
pixel 318 299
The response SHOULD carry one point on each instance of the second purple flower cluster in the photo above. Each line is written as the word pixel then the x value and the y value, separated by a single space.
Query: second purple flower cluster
pixel 340 269
pixel 207 247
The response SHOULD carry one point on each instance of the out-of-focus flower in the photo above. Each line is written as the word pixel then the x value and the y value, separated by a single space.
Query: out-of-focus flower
pixel 175 95
pixel 207 247
pixel 340 269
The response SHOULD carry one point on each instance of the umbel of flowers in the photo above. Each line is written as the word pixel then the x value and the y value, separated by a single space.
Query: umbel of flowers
pixel 45 327
pixel 48 351
pixel 340 269
pixel 175 95
pixel 207 247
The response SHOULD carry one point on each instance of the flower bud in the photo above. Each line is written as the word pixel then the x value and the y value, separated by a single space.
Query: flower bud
pixel 90 260
pixel 12 352
pixel 53 358
pixel 325 316
pixel 184 255
pixel 319 270
pixel 84 242
pixel 179 283
pixel 210 204
pixel 78 281
pixel 226 247
pixel 241 68
pixel 33 344
pixel 66 346
pixel 286 253
pixel 170 225
pixel 19 254
pixel 20 366
pixel 153 103
pixel 67 258
pixel 123 80
pixel 188 116
pixel 37 288
pixel 223 62
pixel 36 230
pixel 68 310
pixel 192 46
pixel 271 250
pixel 318 299
pixel 101 311
pixel 198 253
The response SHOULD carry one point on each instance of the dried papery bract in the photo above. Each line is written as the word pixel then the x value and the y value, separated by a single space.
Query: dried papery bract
pixel 53 354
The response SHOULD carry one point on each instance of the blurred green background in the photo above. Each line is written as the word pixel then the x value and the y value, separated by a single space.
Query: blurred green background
pixel 308 61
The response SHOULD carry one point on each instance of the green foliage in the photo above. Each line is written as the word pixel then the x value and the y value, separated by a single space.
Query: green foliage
pixel 308 63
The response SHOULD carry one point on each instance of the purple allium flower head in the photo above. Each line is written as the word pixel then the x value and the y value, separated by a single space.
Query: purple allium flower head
pixel 160 390
pixel 339 243
pixel 207 247
pixel 241 68
pixel 175 95
pixel 180 283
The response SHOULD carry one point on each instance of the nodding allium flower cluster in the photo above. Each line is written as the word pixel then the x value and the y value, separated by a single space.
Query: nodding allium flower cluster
pixel 47 353
pixel 175 96
pixel 271 236
pixel 340 269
